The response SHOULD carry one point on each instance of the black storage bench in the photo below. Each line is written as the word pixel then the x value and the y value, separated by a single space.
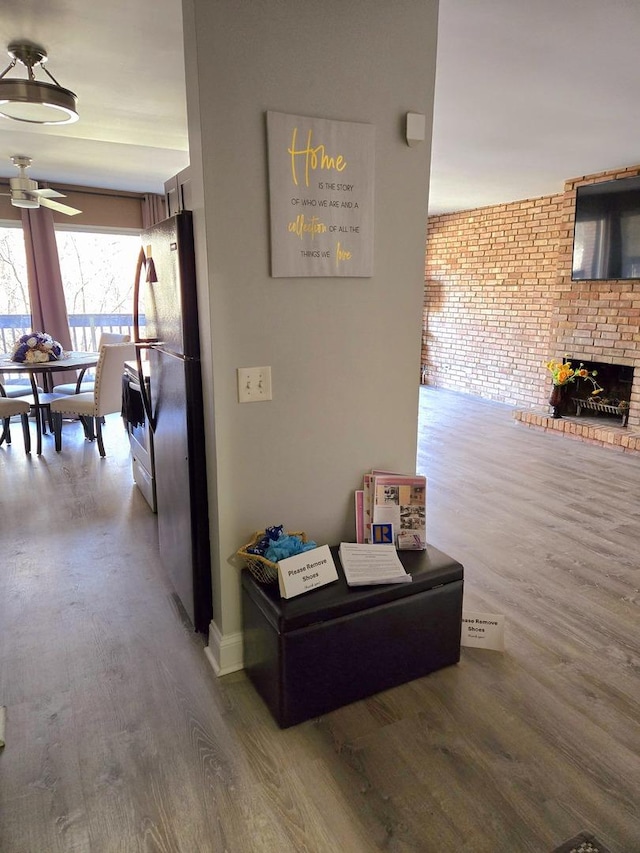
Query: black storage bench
pixel 311 654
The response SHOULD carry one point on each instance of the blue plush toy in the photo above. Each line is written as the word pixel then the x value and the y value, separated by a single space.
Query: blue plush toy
pixel 277 545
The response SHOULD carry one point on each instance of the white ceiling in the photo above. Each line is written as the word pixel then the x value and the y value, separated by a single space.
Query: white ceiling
pixel 124 61
pixel 528 94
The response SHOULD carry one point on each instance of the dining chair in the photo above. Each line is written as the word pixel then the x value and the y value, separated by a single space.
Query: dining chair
pixel 8 409
pixel 88 384
pixel 106 397
pixel 22 389
pixel 18 387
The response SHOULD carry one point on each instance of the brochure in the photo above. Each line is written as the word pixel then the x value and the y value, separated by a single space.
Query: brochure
pixel 401 501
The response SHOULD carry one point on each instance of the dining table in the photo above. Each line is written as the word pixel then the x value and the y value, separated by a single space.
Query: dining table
pixel 40 400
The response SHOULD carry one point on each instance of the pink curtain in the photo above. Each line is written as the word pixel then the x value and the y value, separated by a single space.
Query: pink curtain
pixel 48 307
pixel 154 209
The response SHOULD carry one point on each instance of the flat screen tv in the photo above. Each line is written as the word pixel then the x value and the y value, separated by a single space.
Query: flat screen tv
pixel 606 240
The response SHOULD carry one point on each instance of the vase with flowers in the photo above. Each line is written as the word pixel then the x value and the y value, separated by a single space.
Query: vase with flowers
pixel 562 374
pixel 36 347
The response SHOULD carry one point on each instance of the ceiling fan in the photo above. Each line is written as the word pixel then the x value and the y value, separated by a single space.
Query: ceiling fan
pixel 25 192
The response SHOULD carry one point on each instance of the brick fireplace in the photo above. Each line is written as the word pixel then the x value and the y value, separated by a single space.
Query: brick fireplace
pixel 615 380
pixel 597 321
pixel 499 302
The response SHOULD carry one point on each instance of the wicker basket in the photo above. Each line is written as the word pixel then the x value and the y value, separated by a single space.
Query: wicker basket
pixel 262 569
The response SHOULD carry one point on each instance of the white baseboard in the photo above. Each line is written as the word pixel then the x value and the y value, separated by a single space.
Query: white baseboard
pixel 224 653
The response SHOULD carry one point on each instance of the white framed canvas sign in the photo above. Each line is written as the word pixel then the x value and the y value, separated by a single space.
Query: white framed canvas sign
pixel 321 175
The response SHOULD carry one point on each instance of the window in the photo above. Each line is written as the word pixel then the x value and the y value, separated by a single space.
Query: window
pixel 97 277
pixel 15 313
pixel 97 269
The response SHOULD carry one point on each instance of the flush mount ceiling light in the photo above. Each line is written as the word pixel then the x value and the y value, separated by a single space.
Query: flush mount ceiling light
pixel 31 100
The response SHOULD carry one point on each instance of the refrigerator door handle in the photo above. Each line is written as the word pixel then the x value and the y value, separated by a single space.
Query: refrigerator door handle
pixel 141 264
pixel 141 343
pixel 169 352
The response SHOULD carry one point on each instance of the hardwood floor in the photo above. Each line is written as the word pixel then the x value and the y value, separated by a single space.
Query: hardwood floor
pixel 120 738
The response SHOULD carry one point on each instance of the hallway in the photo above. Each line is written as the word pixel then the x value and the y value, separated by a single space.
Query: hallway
pixel 121 739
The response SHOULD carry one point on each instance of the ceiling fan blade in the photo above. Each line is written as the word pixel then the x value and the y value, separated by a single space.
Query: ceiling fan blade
pixel 48 193
pixel 55 205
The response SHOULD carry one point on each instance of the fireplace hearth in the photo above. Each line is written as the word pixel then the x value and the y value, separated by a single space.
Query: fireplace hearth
pixel 605 419
pixel 616 381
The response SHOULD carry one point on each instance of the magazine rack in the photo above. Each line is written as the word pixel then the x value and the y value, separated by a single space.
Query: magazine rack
pixel 309 655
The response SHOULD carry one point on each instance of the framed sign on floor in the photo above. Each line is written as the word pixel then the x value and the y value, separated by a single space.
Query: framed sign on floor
pixel 321 176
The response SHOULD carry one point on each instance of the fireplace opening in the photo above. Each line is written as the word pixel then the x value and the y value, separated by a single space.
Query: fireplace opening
pixel 614 399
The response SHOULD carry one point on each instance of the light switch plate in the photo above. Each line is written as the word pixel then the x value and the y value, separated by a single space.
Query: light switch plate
pixel 254 384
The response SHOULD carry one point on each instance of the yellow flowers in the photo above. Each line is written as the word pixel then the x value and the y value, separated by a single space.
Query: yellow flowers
pixel 562 373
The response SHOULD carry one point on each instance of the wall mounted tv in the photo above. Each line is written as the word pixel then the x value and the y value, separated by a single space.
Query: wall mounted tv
pixel 606 240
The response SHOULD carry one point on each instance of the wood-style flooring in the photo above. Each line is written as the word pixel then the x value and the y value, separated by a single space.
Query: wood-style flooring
pixel 120 738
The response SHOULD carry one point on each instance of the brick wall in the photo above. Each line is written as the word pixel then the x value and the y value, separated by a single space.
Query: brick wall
pixel 499 301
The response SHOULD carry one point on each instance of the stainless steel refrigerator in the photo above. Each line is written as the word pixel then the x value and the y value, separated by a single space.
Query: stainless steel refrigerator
pixel 166 291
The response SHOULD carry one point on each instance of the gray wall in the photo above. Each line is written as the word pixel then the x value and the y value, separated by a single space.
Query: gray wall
pixel 344 353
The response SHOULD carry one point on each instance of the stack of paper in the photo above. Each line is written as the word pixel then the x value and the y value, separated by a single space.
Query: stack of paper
pixel 399 500
pixel 371 564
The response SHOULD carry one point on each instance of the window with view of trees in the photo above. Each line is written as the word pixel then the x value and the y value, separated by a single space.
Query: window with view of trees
pixel 14 292
pixel 97 272
pixel 14 298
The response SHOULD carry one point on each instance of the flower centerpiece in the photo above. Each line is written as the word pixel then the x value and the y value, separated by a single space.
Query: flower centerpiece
pixel 562 374
pixel 36 347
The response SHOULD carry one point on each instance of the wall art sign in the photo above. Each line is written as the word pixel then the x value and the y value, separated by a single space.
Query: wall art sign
pixel 321 176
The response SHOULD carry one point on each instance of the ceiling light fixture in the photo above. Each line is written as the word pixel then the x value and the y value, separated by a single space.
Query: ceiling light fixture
pixel 31 100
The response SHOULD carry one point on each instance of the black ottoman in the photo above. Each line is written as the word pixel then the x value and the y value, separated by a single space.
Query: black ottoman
pixel 326 648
